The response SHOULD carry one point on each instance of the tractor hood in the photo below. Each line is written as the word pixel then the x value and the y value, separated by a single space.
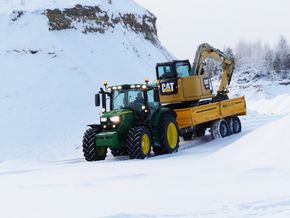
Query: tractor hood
pixel 118 112
pixel 117 120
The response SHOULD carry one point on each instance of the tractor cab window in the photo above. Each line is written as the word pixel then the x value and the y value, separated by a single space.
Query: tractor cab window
pixel 165 71
pixel 135 99
pixel 153 105
pixel 182 69
pixel 119 100
pixel 128 98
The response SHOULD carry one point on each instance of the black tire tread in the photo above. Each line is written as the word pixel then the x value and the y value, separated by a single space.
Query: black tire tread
pixel 89 146
pixel 134 142
pixel 162 131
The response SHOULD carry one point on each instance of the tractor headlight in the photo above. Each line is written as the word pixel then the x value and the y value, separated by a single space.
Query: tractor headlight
pixel 115 119
pixel 103 119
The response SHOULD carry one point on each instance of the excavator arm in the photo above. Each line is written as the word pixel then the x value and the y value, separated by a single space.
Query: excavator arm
pixel 206 51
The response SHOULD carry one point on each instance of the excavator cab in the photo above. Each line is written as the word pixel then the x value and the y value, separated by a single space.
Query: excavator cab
pixel 173 69
pixel 179 82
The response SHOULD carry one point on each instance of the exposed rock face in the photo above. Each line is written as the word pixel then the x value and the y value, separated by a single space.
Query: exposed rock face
pixel 94 19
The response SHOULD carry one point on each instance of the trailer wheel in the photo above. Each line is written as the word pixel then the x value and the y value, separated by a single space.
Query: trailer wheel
pixel 90 149
pixel 235 125
pixel 219 129
pixel 139 142
pixel 168 135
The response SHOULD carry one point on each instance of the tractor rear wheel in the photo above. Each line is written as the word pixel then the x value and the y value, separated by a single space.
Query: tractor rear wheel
pixel 139 142
pixel 90 149
pixel 168 135
pixel 219 129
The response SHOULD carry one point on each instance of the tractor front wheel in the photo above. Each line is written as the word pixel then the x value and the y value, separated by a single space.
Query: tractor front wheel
pixel 139 142
pixel 90 149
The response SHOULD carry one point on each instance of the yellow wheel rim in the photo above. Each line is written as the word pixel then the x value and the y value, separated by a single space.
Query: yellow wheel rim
pixel 172 136
pixel 101 151
pixel 145 144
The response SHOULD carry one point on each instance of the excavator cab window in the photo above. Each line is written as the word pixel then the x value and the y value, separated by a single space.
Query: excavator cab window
pixel 165 71
pixel 182 69
pixel 173 69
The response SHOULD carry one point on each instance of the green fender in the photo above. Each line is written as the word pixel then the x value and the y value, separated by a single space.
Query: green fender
pixel 155 120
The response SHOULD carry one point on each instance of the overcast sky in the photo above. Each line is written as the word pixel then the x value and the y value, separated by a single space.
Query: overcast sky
pixel 184 24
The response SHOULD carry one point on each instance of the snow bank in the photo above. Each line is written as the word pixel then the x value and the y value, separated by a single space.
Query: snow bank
pixel 267 147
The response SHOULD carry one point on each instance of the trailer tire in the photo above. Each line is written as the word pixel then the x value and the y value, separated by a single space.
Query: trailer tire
pixel 168 135
pixel 90 149
pixel 235 125
pixel 219 129
pixel 139 142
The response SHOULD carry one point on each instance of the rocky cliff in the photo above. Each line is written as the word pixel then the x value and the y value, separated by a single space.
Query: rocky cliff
pixel 95 19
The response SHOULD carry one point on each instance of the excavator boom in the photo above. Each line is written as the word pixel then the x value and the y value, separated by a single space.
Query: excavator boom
pixel 207 51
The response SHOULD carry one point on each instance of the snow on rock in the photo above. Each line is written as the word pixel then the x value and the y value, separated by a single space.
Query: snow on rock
pixel 49 77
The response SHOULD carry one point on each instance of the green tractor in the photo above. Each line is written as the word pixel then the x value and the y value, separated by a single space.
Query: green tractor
pixel 135 124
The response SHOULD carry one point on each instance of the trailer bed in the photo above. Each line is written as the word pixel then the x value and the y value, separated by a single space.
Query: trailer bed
pixel 193 116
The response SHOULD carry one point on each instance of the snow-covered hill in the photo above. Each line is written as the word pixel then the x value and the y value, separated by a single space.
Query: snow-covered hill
pixel 54 56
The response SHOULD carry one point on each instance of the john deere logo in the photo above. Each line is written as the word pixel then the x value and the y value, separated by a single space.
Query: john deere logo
pixel 167 87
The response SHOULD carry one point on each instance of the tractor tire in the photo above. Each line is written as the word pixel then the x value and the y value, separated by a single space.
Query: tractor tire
pixel 168 136
pixel 139 142
pixel 90 149
pixel 187 136
pixel 220 129
pixel 235 125
pixel 119 152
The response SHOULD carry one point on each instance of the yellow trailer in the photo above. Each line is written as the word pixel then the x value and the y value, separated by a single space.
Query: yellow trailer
pixel 221 117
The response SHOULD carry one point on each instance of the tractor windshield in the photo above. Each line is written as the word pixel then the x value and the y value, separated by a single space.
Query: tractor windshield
pixel 129 98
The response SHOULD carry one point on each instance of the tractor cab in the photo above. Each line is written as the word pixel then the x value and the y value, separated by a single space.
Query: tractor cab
pixel 137 97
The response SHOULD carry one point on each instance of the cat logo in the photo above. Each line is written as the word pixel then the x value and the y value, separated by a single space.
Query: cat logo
pixel 167 87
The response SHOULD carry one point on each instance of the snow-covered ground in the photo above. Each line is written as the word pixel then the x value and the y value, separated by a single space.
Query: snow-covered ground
pixel 47 99
pixel 244 175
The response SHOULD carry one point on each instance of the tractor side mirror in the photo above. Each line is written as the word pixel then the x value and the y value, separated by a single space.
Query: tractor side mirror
pixel 97 100
pixel 156 95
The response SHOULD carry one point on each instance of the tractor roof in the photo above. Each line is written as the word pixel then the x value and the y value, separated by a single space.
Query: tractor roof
pixel 132 86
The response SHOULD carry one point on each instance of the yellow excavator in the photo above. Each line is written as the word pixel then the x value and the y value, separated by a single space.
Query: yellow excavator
pixel 188 91
pixel 183 85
